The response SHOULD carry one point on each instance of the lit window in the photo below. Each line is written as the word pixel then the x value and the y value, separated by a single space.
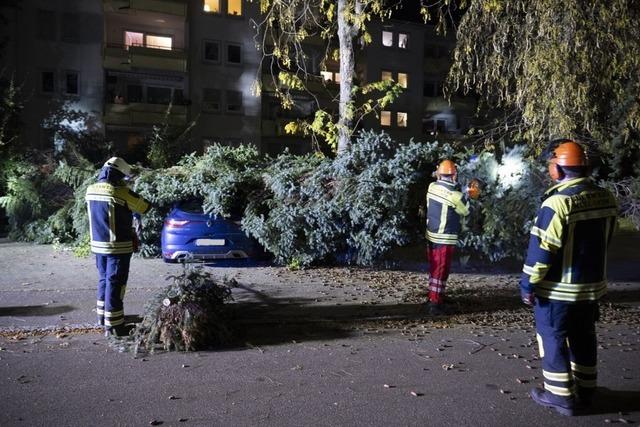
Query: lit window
pixel 234 7
pixel 234 101
pixel 327 76
pixel 385 118
pixel 158 42
pixel 386 75
pixel 402 120
pixel 234 54
pixel 211 51
pixel 211 99
pixel 47 82
pixel 403 41
pixel 403 80
pixel 211 6
pixel 336 77
pixel 387 38
pixel 132 38
pixel 71 83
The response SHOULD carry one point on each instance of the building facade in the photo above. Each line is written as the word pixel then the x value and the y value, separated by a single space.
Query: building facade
pixel 133 64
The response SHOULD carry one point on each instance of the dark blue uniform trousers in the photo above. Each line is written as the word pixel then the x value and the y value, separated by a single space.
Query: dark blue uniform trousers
pixel 113 272
pixel 567 339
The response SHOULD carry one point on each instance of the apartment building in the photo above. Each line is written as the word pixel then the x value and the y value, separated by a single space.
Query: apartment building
pixel 133 64
pixel 53 51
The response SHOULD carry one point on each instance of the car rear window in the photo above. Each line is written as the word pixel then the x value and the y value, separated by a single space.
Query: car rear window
pixel 191 206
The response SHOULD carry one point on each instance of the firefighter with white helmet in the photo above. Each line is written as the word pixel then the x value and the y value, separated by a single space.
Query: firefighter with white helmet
pixel 111 204
pixel 564 276
pixel 445 207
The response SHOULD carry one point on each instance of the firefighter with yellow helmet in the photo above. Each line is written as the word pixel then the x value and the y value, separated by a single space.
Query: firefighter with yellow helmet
pixel 564 276
pixel 445 207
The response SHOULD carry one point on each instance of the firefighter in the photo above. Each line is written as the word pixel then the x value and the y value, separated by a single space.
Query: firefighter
pixel 111 205
pixel 564 276
pixel 445 206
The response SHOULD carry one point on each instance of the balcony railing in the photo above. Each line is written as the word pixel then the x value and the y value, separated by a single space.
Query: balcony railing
pixel 171 7
pixel 121 57
pixel 143 114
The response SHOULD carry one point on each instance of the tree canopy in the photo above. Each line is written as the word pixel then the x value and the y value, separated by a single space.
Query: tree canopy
pixel 554 68
pixel 291 34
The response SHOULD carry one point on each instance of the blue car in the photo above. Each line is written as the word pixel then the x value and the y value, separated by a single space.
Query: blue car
pixel 189 234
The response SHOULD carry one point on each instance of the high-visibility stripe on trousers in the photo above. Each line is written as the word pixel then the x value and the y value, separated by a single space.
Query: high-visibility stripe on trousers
pixel 567 340
pixel 439 257
pixel 113 273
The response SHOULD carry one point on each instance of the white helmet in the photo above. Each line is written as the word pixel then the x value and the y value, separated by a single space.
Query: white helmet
pixel 118 164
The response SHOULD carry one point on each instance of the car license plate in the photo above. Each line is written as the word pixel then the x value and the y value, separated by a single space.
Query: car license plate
pixel 210 242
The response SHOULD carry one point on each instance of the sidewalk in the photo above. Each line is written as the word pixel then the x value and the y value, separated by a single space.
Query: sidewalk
pixel 318 347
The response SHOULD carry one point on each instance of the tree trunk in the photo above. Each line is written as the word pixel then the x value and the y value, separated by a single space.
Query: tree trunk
pixel 346 34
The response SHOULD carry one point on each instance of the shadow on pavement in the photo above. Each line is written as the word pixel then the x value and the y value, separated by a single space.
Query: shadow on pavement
pixel 618 402
pixel 281 320
pixel 35 310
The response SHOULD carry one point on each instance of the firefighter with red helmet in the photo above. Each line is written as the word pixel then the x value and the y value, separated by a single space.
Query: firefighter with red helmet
pixel 111 205
pixel 564 276
pixel 445 207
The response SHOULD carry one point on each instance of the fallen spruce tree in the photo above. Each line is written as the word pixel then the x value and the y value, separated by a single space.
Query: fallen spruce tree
pixel 308 210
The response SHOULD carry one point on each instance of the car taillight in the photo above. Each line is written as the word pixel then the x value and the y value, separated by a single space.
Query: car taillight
pixel 175 223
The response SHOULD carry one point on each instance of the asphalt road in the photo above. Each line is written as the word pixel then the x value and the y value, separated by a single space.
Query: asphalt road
pixel 324 347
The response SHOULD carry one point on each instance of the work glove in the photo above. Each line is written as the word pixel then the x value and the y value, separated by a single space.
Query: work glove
pixel 528 298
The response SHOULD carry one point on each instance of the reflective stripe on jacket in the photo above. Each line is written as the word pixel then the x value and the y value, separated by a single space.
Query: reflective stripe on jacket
pixel 445 206
pixel 110 217
pixel 566 259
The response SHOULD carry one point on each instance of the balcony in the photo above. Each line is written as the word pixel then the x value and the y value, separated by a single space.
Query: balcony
pixel 118 57
pixel 170 7
pixel 143 114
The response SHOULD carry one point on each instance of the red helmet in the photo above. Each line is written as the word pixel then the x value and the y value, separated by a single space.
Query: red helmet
pixel 568 153
pixel 446 167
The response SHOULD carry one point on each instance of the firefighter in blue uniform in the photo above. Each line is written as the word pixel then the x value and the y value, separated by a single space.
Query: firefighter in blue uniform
pixel 111 206
pixel 446 205
pixel 564 276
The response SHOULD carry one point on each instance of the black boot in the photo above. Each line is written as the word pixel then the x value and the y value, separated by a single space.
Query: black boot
pixel 563 405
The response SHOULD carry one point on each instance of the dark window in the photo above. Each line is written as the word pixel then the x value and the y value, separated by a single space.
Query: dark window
pixel 211 99
pixel 429 89
pixel 234 54
pixel 178 97
pixel 441 126
pixel 46 24
pixel 431 51
pixel 158 95
pixel 211 51
pixel 47 82
pixel 70 27
pixel 192 206
pixel 234 101
pixel 134 93
pixel 71 81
